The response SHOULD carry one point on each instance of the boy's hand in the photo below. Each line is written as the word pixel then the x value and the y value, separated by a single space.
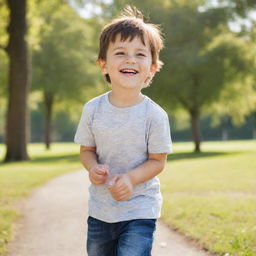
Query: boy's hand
pixel 120 187
pixel 98 174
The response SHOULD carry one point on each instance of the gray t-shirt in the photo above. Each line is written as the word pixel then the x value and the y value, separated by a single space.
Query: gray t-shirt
pixel 123 137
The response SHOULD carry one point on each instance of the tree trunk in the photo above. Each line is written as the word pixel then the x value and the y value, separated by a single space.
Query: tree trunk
pixel 224 134
pixel 254 126
pixel 48 99
pixel 225 125
pixel 17 113
pixel 253 133
pixel 195 130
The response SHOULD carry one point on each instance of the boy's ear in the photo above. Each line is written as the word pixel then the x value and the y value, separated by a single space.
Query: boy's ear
pixel 153 69
pixel 102 64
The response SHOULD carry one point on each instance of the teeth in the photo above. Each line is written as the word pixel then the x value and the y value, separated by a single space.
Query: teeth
pixel 129 71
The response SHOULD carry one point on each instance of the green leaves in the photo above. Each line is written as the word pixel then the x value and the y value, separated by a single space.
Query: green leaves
pixel 62 63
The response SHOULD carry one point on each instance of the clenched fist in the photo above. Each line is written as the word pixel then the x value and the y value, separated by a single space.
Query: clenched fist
pixel 98 174
pixel 120 187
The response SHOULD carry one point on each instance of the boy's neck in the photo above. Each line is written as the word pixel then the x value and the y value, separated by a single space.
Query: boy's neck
pixel 122 100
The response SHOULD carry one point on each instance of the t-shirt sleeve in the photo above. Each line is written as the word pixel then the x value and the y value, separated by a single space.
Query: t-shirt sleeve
pixel 84 135
pixel 159 140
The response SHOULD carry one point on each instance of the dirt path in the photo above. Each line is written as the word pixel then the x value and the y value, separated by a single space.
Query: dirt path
pixel 53 223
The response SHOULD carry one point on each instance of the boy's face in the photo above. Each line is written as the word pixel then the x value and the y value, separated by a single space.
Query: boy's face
pixel 128 63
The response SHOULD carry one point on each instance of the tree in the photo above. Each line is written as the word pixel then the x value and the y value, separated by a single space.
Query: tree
pixel 238 101
pixel 201 58
pixel 64 63
pixel 19 72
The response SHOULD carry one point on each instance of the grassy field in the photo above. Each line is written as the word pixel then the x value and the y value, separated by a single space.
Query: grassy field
pixel 18 179
pixel 211 197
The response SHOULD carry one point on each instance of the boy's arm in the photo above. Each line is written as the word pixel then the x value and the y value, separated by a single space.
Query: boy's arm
pixel 88 157
pixel 149 169
pixel 97 172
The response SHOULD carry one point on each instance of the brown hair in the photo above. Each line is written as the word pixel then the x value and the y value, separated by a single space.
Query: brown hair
pixel 129 25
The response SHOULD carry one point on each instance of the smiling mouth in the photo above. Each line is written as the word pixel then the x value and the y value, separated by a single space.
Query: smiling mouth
pixel 129 71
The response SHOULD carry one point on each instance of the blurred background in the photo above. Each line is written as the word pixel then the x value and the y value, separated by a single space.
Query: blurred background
pixel 207 83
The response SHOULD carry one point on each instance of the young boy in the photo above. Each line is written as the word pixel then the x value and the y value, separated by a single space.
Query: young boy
pixel 124 138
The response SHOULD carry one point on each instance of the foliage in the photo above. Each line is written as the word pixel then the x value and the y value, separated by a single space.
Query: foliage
pixel 239 7
pixel 238 98
pixel 4 13
pixel 63 62
pixel 201 57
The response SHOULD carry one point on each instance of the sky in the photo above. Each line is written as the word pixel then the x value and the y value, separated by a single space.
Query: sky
pixel 89 9
pixel 236 26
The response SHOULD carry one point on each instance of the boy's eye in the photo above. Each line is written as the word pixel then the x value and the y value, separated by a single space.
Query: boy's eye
pixel 141 54
pixel 119 53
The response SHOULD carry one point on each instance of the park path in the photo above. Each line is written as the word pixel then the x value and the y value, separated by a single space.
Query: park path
pixel 53 223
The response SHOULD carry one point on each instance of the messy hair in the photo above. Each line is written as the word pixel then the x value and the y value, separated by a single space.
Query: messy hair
pixel 130 25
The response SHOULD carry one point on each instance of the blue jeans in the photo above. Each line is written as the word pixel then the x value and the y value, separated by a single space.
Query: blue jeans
pixel 126 238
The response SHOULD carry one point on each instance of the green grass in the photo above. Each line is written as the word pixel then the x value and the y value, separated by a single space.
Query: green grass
pixel 18 179
pixel 211 196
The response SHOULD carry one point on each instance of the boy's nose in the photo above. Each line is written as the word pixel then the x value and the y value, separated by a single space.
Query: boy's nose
pixel 130 59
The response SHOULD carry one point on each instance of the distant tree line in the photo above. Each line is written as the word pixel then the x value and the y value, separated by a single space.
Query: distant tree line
pixel 63 128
